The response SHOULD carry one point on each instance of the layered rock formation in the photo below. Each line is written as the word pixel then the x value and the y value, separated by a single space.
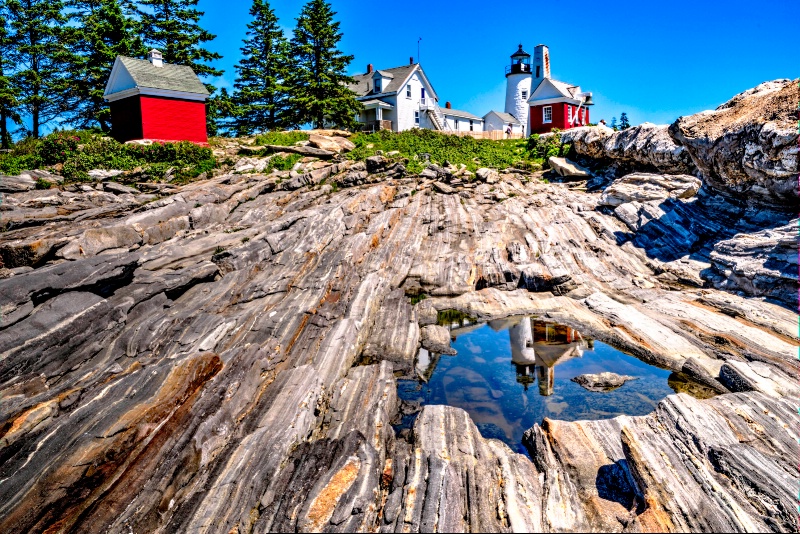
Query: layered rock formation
pixel 222 357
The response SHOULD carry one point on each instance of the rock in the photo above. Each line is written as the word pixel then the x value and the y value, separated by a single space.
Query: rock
pixel 605 381
pixel 436 339
pixel 376 164
pixel 748 146
pixel 347 145
pixel 16 184
pixel 302 150
pixel 643 187
pixel 566 168
pixel 489 176
pixel 443 188
pixel 647 147
pixel 101 174
pixel 325 143
pixel 119 189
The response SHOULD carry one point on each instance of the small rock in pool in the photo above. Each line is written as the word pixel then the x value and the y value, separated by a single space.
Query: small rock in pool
pixel 602 381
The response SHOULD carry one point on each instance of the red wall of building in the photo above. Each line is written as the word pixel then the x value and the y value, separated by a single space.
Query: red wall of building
pixel 170 119
pixel 559 118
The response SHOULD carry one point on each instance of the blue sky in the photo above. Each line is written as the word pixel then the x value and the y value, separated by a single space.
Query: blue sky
pixel 655 61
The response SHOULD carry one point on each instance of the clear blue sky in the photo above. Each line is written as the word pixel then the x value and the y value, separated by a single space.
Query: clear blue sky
pixel 654 60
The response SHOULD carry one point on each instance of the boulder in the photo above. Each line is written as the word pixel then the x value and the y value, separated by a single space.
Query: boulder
pixel 119 189
pixel 642 187
pixel 489 176
pixel 748 146
pixel 443 188
pixel 566 168
pixel 605 381
pixel 16 184
pixel 302 150
pixel 324 143
pixel 345 144
pixel 436 338
pixel 102 174
pixel 376 164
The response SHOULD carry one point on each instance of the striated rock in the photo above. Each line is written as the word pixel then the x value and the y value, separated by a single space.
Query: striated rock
pixel 748 146
pixel 16 184
pixel 646 147
pixel 119 189
pixel 605 381
pixel 566 168
pixel 324 143
pixel 302 150
pixel 436 339
pixel 643 187
pixel 102 174
pixel 490 176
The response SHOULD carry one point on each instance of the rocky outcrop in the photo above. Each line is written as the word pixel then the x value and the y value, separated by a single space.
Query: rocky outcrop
pixel 436 339
pixel 647 148
pixel 605 381
pixel 748 146
pixel 566 168
pixel 222 356
pixel 644 187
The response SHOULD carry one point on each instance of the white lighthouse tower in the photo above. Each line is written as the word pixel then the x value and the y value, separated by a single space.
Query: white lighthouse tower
pixel 518 86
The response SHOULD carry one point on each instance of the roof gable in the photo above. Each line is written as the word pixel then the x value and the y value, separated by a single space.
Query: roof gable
pixel 504 117
pixel 398 78
pixel 460 114
pixel 549 89
pixel 137 74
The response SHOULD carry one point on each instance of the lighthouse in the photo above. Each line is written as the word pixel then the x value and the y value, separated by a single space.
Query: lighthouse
pixel 518 86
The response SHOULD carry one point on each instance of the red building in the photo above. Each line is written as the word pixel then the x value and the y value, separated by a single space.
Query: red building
pixel 555 104
pixel 154 100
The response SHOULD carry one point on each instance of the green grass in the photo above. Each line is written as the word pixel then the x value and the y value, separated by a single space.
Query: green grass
pixel 281 138
pixel 474 153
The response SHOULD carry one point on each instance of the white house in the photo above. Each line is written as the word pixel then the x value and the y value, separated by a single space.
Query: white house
pixel 461 121
pixel 402 98
pixel 498 120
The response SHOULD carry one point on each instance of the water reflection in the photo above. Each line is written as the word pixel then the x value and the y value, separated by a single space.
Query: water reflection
pixel 505 376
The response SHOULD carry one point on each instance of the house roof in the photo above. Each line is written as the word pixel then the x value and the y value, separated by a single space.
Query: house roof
pixel 553 90
pixel 397 76
pixel 375 103
pixel 458 113
pixel 168 77
pixel 505 117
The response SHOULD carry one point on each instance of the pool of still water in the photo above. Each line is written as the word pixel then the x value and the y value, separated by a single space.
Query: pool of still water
pixel 505 398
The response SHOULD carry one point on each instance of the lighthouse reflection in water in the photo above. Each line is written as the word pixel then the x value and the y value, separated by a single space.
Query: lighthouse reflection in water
pixel 512 373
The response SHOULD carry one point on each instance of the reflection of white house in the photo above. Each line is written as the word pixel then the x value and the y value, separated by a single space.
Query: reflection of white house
pixel 402 98
pixel 498 120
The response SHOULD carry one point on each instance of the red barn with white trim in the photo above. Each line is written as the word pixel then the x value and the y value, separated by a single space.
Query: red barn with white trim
pixel 554 104
pixel 154 100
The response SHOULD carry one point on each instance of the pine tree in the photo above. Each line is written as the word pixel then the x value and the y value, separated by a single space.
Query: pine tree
pixel 614 123
pixel 623 121
pixel 40 52
pixel 221 112
pixel 172 27
pixel 260 91
pixel 8 92
pixel 103 32
pixel 317 83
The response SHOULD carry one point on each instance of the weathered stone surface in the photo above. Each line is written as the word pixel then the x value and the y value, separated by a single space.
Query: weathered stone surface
pixel 15 184
pixel 605 381
pixel 325 143
pixel 566 168
pixel 436 339
pixel 748 146
pixel 643 187
pixel 303 150
pixel 647 147
pixel 102 174
pixel 119 189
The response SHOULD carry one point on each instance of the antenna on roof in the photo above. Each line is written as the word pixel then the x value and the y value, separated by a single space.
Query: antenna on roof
pixel 418 40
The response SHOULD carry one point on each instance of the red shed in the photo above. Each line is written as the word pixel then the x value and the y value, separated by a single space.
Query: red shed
pixel 554 104
pixel 154 100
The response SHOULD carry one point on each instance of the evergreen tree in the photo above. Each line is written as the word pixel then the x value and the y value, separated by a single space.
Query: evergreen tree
pixel 259 91
pixel 221 112
pixel 8 92
pixel 172 27
pixel 40 52
pixel 623 121
pixel 317 82
pixel 614 123
pixel 103 32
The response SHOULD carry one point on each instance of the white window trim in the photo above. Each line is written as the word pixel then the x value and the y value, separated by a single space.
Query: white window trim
pixel 408 91
pixel 470 126
pixel 545 109
pixel 416 117
pixel 569 114
pixel 377 85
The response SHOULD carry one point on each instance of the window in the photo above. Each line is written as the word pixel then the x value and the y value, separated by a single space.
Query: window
pixel 547 112
pixel 408 91
pixel 416 117
pixel 537 70
pixel 470 126
pixel 584 116
pixel 569 114
pixel 377 85
pixel 524 94
pixel 455 124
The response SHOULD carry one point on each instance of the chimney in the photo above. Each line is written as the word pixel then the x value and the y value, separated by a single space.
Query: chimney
pixel 410 60
pixel 541 62
pixel 369 68
pixel 448 105
pixel 154 57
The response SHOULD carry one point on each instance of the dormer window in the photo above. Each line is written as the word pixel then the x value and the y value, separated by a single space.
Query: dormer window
pixel 377 85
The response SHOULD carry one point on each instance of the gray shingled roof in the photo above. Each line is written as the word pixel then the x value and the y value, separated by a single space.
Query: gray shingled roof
pixel 459 113
pixel 505 117
pixel 363 84
pixel 170 77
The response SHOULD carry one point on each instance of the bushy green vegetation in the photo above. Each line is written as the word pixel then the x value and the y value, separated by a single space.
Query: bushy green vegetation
pixel 282 163
pixel 281 138
pixel 473 153
pixel 78 152
pixel 541 148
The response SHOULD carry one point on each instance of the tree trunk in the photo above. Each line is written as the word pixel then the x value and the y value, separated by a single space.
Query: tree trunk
pixel 4 139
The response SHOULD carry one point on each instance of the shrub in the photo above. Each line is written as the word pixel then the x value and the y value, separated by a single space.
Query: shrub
pixel 41 183
pixel 281 138
pixel 283 163
pixel 58 147
pixel 544 147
